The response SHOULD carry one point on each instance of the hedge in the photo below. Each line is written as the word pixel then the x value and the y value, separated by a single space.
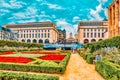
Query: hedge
pixel 108 70
pixel 19 44
pixel 25 76
pixel 89 57
pixel 37 68
pixel 115 41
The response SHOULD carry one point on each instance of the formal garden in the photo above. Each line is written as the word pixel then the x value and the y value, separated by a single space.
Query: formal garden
pixel 109 66
pixel 18 57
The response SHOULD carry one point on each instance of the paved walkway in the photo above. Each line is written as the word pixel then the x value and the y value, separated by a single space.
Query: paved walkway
pixel 77 69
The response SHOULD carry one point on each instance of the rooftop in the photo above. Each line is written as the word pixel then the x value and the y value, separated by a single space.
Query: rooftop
pixel 32 24
pixel 92 23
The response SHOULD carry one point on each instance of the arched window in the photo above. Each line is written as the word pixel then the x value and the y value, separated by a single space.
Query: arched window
pixel 86 41
pixel 34 41
pixel 100 39
pixel 47 41
pixel 23 40
pixel 40 41
pixel 28 40
pixel 93 40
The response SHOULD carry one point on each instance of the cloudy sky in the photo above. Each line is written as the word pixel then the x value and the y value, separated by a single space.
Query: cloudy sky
pixel 64 13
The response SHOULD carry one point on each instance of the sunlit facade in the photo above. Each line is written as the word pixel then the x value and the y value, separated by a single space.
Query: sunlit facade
pixel 92 31
pixel 41 32
pixel 114 18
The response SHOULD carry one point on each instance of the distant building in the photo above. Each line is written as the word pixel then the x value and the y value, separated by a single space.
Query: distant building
pixel 114 18
pixel 92 31
pixel 70 39
pixel 40 32
pixel 61 36
pixel 7 34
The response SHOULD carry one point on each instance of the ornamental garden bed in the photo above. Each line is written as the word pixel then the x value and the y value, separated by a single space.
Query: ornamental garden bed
pixel 46 63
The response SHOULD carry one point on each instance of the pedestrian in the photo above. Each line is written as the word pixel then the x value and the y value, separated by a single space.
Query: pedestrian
pixel 98 57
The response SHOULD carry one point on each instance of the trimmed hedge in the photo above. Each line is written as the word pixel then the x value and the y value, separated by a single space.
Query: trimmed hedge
pixel 25 76
pixel 88 57
pixel 19 44
pixel 37 68
pixel 108 70
pixel 115 41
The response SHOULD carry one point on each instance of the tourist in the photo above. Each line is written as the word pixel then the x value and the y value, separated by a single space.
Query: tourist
pixel 98 57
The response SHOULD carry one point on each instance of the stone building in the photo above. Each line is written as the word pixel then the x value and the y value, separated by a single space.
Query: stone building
pixel 70 39
pixel 92 31
pixel 7 34
pixel 114 18
pixel 40 32
pixel 61 36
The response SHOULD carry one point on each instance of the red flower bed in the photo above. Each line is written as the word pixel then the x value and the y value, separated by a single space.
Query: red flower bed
pixel 39 52
pixel 57 57
pixel 15 59
pixel 8 52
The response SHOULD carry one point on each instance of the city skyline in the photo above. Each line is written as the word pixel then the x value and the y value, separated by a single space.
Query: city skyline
pixel 65 14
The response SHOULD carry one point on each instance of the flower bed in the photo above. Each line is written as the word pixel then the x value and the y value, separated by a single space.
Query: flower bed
pixel 15 59
pixel 39 52
pixel 45 63
pixel 8 52
pixel 53 57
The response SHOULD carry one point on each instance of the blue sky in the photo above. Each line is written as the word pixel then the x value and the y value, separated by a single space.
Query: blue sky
pixel 64 13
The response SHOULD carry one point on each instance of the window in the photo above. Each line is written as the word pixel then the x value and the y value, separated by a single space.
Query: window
pixel 84 29
pixel 94 29
pixel 42 30
pixel 87 34
pixel 21 35
pixel 98 34
pixel 32 30
pixel 45 35
pixel 27 35
pixel 35 35
pixel 91 35
pixel 24 35
pixel 87 29
pixel 102 34
pixel 48 35
pixel 41 35
pixel 91 30
pixel 45 30
pixel 39 30
pixel 48 30
pixel 38 35
pixel 95 35
pixel 84 35
pixel 32 35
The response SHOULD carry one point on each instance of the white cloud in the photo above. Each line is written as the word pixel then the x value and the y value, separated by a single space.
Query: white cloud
pixel 94 14
pixel 52 6
pixel 102 1
pixel 76 19
pixel 67 26
pixel 12 4
pixel 106 12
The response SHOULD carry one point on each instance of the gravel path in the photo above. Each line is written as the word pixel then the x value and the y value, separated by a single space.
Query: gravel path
pixel 78 69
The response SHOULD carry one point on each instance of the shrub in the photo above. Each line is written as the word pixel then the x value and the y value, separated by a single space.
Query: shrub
pixel 115 41
pixel 25 76
pixel 89 58
pixel 108 70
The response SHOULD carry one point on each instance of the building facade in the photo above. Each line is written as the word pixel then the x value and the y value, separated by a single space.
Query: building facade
pixel 7 34
pixel 41 32
pixel 70 39
pixel 92 31
pixel 114 18
pixel 61 36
